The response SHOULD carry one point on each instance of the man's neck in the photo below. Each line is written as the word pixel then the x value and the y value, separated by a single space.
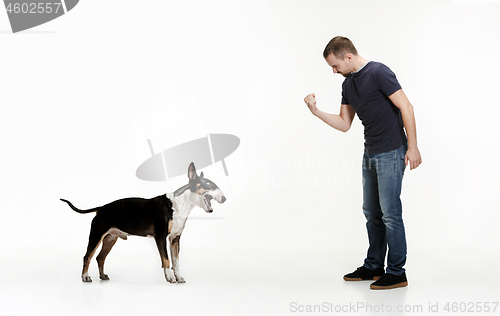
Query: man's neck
pixel 358 62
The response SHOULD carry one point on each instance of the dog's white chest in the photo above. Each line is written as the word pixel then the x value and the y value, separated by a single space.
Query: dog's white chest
pixel 181 209
pixel 177 225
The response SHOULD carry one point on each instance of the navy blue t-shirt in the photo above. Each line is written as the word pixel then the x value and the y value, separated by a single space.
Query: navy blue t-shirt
pixel 368 91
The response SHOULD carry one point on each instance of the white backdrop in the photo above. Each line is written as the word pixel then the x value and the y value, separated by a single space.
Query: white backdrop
pixel 81 95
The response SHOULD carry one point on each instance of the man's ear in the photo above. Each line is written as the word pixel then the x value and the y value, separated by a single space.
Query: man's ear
pixel 348 56
pixel 192 172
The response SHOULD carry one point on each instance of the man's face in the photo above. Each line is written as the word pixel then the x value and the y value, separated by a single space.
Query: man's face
pixel 340 66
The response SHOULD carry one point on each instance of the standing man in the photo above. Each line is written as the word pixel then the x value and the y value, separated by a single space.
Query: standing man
pixel 371 91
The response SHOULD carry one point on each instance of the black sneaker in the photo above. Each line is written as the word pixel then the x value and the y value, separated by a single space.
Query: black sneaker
pixel 390 281
pixel 363 273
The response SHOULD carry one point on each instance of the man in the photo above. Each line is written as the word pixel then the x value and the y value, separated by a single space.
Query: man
pixel 371 91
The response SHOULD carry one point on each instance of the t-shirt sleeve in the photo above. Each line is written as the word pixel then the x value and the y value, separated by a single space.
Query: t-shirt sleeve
pixel 345 100
pixel 387 80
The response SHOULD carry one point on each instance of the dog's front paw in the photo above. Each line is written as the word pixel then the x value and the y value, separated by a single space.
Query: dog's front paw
pixel 86 278
pixel 104 277
pixel 180 279
pixel 169 276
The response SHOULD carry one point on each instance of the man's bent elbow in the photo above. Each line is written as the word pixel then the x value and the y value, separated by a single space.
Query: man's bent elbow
pixel 345 128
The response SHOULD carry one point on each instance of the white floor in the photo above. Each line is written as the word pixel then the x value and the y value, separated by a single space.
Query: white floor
pixel 47 282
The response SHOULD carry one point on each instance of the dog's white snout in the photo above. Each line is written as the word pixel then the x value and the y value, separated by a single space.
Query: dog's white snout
pixel 219 196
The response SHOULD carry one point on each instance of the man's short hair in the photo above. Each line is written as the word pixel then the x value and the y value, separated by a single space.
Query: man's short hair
pixel 340 46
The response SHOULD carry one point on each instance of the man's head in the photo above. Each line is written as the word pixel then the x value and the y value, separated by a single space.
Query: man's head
pixel 339 54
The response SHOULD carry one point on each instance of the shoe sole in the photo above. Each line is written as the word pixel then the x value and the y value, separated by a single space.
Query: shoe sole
pixel 389 287
pixel 375 278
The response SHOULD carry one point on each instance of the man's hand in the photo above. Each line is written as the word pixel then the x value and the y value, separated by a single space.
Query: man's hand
pixel 413 158
pixel 310 100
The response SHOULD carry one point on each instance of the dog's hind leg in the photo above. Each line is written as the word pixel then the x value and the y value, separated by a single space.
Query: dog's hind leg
pixel 107 243
pixel 161 243
pixel 91 248
pixel 96 235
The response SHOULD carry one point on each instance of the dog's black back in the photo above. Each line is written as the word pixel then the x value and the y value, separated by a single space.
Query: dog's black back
pixel 135 216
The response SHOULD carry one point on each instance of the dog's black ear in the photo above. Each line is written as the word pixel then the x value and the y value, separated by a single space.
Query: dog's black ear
pixel 192 172
pixel 201 175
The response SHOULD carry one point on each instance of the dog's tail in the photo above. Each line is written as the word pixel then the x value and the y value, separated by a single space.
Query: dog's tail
pixel 78 210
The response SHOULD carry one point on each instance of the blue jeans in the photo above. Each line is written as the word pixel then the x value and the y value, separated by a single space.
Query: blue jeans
pixel 382 180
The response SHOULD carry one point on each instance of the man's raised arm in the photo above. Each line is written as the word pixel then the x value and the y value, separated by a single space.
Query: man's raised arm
pixel 341 122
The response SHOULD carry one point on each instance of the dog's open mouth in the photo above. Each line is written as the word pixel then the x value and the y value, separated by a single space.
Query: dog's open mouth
pixel 207 198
